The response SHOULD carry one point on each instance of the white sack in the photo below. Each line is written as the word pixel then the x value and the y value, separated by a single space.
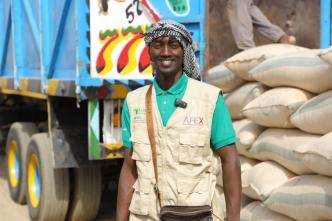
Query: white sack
pixel 315 116
pixel 241 63
pixel 221 77
pixel 304 198
pixel 278 145
pixel 274 107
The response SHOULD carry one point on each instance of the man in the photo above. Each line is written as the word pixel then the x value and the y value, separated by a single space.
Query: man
pixel 244 16
pixel 193 134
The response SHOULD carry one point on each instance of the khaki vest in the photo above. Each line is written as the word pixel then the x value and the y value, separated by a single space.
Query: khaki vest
pixel 187 165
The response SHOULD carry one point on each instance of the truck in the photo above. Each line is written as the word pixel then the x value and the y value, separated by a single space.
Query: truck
pixel 65 69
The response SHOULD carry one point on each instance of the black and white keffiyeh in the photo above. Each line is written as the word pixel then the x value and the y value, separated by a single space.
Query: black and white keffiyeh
pixel 169 28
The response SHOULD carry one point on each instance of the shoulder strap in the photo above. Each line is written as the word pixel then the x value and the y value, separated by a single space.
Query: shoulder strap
pixel 149 122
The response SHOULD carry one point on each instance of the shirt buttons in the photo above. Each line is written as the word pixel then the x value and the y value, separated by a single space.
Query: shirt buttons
pixel 165 102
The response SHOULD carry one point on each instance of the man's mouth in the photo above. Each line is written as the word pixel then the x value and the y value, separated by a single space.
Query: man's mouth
pixel 165 62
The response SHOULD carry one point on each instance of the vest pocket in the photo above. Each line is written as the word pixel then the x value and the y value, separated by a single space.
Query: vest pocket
pixel 141 201
pixel 141 152
pixel 191 148
pixel 193 192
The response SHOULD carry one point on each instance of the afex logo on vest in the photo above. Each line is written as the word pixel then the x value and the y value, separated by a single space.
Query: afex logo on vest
pixel 194 120
pixel 139 115
pixel 139 110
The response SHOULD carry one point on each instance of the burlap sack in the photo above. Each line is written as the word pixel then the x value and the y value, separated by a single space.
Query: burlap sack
pixel 246 134
pixel 256 211
pixel 242 62
pixel 317 155
pixel 304 198
pixel 259 181
pixel 247 163
pixel 326 55
pixel 302 70
pixel 239 98
pixel 274 107
pixel 315 115
pixel 278 145
pixel 222 77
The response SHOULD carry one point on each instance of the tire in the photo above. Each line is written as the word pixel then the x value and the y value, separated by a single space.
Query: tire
pixel 47 188
pixel 85 194
pixel 42 127
pixel 16 149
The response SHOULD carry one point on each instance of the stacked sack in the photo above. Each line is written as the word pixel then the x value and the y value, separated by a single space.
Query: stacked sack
pixel 280 99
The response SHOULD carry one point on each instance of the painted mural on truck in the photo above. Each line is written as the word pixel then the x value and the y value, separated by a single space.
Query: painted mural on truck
pixel 117 48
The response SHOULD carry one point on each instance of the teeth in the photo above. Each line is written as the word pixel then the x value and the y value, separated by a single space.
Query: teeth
pixel 166 62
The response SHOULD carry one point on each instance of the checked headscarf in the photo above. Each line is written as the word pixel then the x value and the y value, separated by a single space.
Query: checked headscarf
pixel 169 28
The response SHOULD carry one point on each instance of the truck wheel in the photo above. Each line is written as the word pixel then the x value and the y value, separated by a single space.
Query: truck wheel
pixel 16 149
pixel 48 188
pixel 86 193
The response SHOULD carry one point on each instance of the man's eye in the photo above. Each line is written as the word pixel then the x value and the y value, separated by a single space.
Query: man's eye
pixel 175 45
pixel 156 46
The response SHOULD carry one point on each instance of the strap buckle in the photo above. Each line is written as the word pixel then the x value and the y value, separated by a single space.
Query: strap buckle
pixel 155 187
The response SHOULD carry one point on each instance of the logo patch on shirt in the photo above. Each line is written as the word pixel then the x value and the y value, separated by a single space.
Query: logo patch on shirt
pixel 139 115
pixel 139 111
pixel 193 120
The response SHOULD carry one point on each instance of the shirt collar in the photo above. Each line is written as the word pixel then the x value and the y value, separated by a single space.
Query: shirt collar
pixel 177 88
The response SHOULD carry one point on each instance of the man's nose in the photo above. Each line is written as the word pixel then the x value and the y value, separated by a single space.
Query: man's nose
pixel 165 50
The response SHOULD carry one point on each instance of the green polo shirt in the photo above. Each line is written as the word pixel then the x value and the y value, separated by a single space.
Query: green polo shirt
pixel 222 131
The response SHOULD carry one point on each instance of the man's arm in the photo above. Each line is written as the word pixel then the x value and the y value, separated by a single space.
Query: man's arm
pixel 231 181
pixel 127 179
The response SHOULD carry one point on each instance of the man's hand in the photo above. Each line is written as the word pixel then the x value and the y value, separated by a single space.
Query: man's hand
pixel 231 181
pixel 127 179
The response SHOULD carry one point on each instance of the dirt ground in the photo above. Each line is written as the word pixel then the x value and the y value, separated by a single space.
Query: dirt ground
pixel 10 211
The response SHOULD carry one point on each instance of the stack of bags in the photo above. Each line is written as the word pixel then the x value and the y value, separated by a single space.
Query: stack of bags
pixel 280 99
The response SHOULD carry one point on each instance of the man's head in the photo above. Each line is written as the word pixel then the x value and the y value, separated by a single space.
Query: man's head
pixel 171 50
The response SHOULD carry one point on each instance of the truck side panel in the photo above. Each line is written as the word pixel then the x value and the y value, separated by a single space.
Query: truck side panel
pixel 27 39
pixel 6 40
pixel 39 47
pixel 59 39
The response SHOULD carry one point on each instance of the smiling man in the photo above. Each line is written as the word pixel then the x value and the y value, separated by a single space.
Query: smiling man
pixel 178 137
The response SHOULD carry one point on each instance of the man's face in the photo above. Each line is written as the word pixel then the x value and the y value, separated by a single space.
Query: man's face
pixel 166 55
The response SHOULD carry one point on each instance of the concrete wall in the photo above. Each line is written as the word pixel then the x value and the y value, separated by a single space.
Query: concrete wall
pixel 298 17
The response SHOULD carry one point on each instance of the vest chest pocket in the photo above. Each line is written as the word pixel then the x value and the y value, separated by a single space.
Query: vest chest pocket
pixel 141 201
pixel 141 150
pixel 191 148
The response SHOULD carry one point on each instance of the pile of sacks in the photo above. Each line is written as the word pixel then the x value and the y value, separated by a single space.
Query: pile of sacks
pixel 280 99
